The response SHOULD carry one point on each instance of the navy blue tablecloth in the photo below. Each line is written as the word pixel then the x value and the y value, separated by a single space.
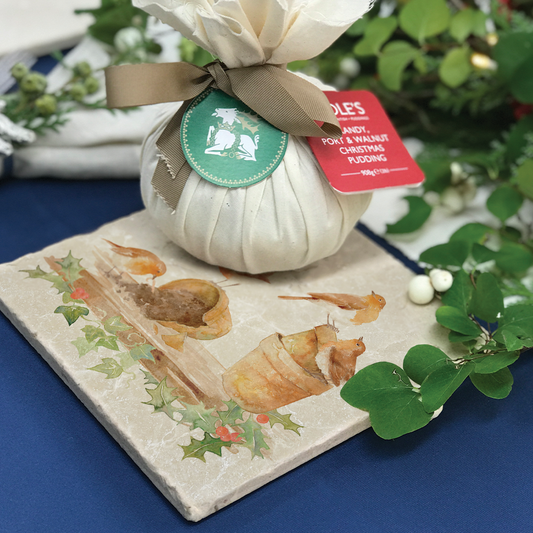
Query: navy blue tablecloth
pixel 471 470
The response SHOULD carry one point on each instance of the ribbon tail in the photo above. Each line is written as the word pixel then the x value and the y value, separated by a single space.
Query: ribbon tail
pixel 172 170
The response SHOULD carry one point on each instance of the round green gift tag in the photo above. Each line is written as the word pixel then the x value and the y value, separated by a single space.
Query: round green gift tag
pixel 226 143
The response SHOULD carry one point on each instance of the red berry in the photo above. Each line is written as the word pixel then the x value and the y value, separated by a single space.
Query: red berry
pixel 79 294
pixel 262 419
pixel 222 431
pixel 225 438
pixel 235 437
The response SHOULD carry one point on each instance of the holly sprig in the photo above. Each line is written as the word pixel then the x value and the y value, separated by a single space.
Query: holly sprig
pixel 221 427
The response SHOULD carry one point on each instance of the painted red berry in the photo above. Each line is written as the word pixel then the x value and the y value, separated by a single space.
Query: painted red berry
pixel 225 438
pixel 79 294
pixel 222 431
pixel 235 437
pixel 262 419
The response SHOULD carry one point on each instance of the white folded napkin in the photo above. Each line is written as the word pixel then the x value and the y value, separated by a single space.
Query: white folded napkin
pixel 94 142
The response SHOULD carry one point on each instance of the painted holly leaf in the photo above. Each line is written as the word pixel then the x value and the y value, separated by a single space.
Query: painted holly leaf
pixel 149 379
pixel 71 268
pixel 442 383
pixel 72 312
pixel 93 333
pixel 83 346
pixel 233 414
pixel 385 391
pixel 162 399
pixel 198 417
pixel 57 281
pixel 114 324
pixel 253 436
pixel 143 351
pixel 497 385
pixel 285 420
pixel 198 448
pixel 110 367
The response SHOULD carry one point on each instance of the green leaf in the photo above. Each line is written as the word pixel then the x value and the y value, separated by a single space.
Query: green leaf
pixel 71 268
pixel 437 173
pixel 358 27
pixel 459 294
pixel 253 436
pixel 487 298
pixel 93 333
pixel 524 178
pixel 419 212
pixel 456 320
pixel 198 448
pixel 232 415
pixel 509 336
pixel 520 316
pixel 482 254
pixel 455 67
pixel 109 342
pixel 453 337
pixel 126 361
pixel 162 399
pixel 148 378
pixel 517 139
pixel 421 360
pixel 521 84
pixel 467 22
pixel 83 346
pixel 110 367
pixel 143 351
pixel 384 390
pixel 394 59
pixel 514 258
pixel 198 417
pixel 504 202
pixel 442 383
pixel 285 420
pixel 424 18
pixel 377 33
pixel 497 385
pixel 494 362
pixel 114 324
pixel 452 253
pixel 72 313
pixel 472 233
pixel 511 51
pixel 57 281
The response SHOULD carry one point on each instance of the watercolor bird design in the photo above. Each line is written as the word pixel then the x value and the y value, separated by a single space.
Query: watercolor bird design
pixel 367 307
pixel 139 262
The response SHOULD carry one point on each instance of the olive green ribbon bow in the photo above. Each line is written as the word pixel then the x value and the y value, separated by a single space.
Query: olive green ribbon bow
pixel 282 98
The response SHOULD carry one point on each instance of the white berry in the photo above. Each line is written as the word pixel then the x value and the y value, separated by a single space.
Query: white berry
pixel 441 279
pixel 421 290
pixel 350 67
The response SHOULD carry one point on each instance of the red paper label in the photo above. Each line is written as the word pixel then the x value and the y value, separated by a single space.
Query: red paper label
pixel 370 155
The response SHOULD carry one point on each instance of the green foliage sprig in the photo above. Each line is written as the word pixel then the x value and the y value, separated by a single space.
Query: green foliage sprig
pixel 460 80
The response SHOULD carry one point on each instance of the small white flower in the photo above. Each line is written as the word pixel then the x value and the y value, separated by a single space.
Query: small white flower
pixel 453 200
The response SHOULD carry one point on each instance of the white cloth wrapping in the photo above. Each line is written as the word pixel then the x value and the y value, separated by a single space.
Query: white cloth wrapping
pixel 293 217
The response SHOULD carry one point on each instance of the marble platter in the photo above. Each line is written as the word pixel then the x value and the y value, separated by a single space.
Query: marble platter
pixel 210 408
